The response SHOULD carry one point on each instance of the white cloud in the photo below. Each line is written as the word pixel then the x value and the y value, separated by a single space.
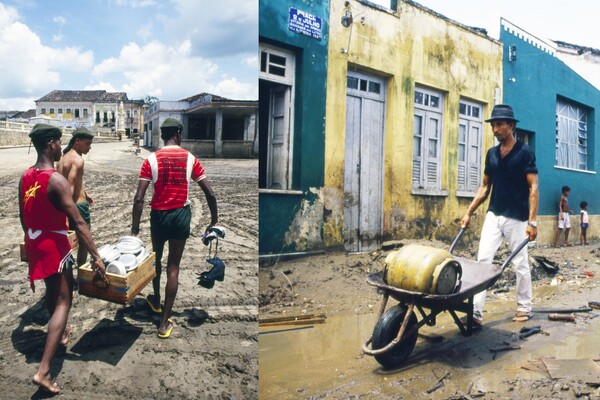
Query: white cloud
pixel 158 70
pixel 31 67
pixel 101 86
pixel 145 32
pixel 60 20
pixel 251 61
pixel 8 15
pixel 136 3
pixel 232 26
pixel 17 103
pixel 176 67
pixel 234 89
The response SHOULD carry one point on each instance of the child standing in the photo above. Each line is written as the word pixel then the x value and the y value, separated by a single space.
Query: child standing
pixel 584 224
pixel 563 216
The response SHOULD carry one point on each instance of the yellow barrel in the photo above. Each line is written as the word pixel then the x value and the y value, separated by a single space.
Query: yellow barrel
pixel 423 269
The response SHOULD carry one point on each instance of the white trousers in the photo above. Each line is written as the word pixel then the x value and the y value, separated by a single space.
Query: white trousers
pixel 494 230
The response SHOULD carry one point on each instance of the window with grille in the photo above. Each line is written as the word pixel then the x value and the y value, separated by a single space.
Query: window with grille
pixel 571 136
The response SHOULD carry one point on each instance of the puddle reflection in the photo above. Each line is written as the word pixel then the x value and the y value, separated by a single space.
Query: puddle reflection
pixel 309 358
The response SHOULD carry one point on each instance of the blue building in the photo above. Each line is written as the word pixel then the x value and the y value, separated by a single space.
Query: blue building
pixel 293 42
pixel 556 108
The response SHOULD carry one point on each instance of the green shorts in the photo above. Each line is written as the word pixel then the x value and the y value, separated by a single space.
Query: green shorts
pixel 84 210
pixel 171 224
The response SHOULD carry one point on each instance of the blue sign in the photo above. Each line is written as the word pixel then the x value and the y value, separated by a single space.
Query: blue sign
pixel 305 23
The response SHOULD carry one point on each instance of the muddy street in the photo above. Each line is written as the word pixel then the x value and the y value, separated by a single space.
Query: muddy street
pixel 114 352
pixel 324 360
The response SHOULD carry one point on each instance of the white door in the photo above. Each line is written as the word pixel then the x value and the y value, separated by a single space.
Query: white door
pixel 363 176
pixel 279 139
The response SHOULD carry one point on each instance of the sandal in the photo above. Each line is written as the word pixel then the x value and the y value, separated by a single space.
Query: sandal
pixel 522 316
pixel 156 310
pixel 166 334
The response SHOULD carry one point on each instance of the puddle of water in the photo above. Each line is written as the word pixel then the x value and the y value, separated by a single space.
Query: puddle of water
pixel 327 358
pixel 293 363
pixel 566 341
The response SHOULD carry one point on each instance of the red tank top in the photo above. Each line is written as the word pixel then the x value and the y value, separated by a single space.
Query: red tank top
pixel 38 212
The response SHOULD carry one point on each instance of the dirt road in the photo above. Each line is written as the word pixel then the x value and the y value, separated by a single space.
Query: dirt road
pixel 325 360
pixel 114 352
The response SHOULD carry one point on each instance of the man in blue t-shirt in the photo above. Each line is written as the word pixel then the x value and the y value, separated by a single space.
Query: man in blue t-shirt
pixel 510 175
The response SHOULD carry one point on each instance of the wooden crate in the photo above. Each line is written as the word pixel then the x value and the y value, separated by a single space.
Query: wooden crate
pixel 122 289
pixel 72 239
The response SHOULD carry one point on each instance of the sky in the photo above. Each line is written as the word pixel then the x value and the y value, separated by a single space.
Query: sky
pixel 571 21
pixel 168 49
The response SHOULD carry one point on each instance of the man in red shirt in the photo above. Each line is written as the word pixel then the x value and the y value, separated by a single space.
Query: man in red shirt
pixel 45 203
pixel 170 170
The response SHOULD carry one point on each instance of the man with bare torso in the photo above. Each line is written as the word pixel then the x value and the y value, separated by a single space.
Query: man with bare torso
pixel 71 167
pixel 563 216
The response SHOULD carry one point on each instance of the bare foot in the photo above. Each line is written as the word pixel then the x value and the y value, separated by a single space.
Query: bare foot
pixel 46 383
pixel 66 335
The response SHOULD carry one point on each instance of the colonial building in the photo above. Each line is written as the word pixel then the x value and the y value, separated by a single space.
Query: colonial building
pixel 214 126
pixel 96 109
pixel 408 91
pixel 402 148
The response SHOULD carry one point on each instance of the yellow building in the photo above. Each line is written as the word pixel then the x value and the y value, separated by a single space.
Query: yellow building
pixel 405 139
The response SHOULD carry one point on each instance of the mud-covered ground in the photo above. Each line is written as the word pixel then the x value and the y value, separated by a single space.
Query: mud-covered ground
pixel 315 361
pixel 114 352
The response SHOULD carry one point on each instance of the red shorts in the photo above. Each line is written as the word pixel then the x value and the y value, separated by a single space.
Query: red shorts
pixel 49 252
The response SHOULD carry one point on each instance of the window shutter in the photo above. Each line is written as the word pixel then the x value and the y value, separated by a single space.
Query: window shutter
pixel 433 153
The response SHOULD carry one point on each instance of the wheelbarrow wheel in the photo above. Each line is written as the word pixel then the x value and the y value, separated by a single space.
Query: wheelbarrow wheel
pixel 387 329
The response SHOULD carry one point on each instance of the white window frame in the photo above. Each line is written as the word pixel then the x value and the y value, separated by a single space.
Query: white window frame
pixel 469 148
pixel 268 50
pixel 427 171
pixel 275 165
pixel 571 136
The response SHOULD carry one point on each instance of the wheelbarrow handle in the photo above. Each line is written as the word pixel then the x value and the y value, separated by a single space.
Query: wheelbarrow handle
pixel 514 253
pixel 457 238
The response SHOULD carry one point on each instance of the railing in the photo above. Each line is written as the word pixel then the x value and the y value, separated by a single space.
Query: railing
pixel 14 133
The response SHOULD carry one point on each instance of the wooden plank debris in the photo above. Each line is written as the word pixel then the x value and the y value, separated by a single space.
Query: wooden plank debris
pixel 302 319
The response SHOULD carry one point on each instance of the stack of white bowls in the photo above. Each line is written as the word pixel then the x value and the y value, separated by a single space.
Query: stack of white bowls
pixel 124 256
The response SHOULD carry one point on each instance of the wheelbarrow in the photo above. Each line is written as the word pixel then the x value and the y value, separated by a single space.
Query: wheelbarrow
pixel 395 333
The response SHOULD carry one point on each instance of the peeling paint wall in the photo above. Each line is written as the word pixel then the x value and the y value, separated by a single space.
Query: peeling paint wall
pixel 291 220
pixel 408 47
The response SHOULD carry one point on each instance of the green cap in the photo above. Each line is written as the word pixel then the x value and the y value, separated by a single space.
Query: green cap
pixel 83 133
pixel 171 123
pixel 42 132
pixel 79 133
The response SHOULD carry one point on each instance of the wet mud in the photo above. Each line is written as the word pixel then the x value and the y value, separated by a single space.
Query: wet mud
pixel 326 360
pixel 114 352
